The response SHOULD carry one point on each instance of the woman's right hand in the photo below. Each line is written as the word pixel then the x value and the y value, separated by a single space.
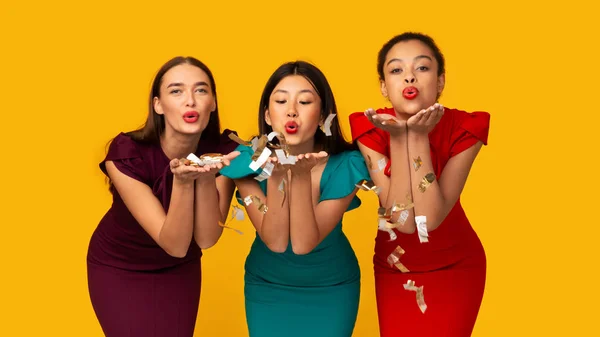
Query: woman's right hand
pixel 184 173
pixel 279 170
pixel 386 122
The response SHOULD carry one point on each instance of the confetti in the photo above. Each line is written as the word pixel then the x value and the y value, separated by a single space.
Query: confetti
pixel 382 227
pixel 254 199
pixel 421 221
pixel 368 185
pixel 426 181
pixel 326 126
pixel 236 213
pixel 417 163
pixel 282 189
pixel 394 259
pixel 238 140
pixel 410 286
pixel 266 172
pixel 205 159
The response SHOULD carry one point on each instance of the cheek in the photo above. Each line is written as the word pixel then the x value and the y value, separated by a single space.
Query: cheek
pixel 313 115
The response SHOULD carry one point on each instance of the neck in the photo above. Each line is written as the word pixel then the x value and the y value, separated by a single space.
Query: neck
pixel 403 116
pixel 177 145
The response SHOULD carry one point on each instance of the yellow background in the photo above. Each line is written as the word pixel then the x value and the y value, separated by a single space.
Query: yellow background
pixel 74 75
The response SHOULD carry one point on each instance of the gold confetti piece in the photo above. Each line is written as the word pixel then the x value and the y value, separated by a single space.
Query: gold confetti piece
pixel 282 189
pixel 417 163
pixel 254 199
pixel 238 140
pixel 326 126
pixel 394 259
pixel 410 286
pixel 390 121
pixel 369 186
pixel 236 213
pixel 426 181
pixel 261 145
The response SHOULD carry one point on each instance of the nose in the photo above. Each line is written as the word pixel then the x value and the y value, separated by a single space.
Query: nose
pixel 410 78
pixel 190 100
pixel 292 113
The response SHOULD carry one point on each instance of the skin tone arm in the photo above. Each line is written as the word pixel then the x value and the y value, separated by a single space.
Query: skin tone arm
pixel 310 222
pixel 172 231
pixel 273 227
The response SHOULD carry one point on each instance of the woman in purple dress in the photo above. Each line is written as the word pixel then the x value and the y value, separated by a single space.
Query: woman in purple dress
pixel 144 257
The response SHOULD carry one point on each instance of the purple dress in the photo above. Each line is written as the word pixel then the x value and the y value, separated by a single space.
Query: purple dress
pixel 135 287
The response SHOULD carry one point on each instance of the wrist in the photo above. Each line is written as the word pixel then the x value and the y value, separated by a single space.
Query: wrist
pixel 206 180
pixel 418 137
pixel 183 184
pixel 301 175
pixel 398 138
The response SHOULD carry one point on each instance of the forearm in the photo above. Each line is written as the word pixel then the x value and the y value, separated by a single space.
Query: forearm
pixel 176 233
pixel 399 192
pixel 275 226
pixel 427 196
pixel 207 213
pixel 304 230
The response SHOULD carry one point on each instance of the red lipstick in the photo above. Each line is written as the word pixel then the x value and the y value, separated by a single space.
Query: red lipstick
pixel 410 92
pixel 291 127
pixel 191 116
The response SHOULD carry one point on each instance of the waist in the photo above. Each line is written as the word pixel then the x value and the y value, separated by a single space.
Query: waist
pixel 113 245
pixel 333 264
pixel 448 245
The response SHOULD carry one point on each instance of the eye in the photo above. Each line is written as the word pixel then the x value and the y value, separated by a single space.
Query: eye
pixel 305 102
pixel 396 71
pixel 202 90
pixel 175 91
pixel 280 101
pixel 422 68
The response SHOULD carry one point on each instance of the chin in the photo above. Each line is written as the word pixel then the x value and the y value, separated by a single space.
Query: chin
pixel 412 107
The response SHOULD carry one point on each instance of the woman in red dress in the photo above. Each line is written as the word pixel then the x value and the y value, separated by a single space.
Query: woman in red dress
pixel 430 266
pixel 143 259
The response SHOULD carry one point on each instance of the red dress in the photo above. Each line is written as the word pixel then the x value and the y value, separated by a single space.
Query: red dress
pixel 136 288
pixel 451 267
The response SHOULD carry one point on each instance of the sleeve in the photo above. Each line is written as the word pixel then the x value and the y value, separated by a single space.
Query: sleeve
pixel 349 171
pixel 240 165
pixel 364 131
pixel 472 128
pixel 226 144
pixel 125 153
pixel 240 168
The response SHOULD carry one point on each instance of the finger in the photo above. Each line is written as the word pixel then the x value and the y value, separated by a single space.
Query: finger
pixel 219 166
pixel 226 162
pixel 174 163
pixel 232 155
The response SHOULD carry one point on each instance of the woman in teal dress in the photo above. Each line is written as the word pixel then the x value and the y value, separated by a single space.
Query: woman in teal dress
pixel 302 276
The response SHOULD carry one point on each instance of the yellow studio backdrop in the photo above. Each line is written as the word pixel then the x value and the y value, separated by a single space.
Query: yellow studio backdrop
pixel 75 74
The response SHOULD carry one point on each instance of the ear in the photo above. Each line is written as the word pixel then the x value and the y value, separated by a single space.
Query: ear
pixel 158 106
pixel 383 88
pixel 214 106
pixel 441 83
pixel 268 117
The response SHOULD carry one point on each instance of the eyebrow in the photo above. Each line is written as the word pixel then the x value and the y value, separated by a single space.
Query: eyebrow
pixel 178 84
pixel 416 58
pixel 301 91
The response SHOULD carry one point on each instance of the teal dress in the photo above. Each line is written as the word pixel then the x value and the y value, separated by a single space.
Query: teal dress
pixel 312 295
